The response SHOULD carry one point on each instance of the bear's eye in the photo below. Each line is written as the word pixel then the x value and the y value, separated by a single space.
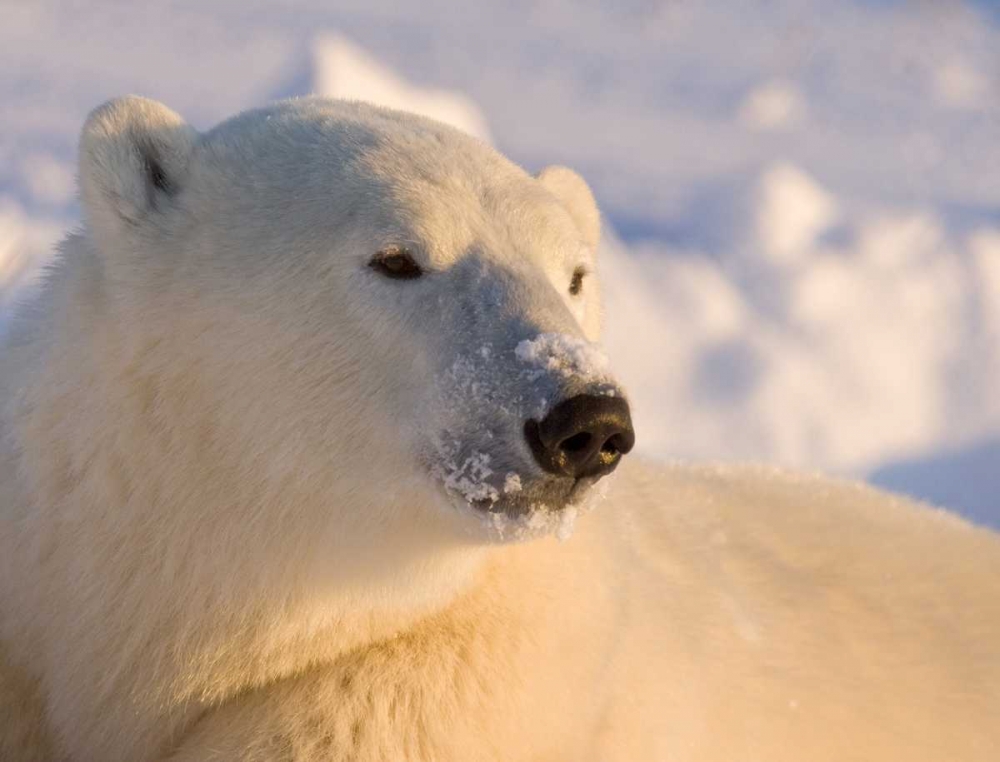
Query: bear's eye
pixel 576 285
pixel 396 262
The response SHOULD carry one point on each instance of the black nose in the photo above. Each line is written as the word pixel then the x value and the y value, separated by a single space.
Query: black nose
pixel 585 435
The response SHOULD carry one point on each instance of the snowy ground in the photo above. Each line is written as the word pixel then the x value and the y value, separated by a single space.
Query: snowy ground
pixel 802 197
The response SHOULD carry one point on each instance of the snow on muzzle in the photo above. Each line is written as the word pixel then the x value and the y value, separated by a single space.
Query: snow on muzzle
pixel 585 435
pixel 532 425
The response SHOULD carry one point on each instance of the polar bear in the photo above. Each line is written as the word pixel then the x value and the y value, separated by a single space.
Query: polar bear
pixel 294 439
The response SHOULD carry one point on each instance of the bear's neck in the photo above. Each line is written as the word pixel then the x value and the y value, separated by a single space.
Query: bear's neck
pixel 259 639
pixel 183 626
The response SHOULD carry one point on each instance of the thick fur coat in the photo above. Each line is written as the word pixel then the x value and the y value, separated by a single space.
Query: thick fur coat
pixel 263 500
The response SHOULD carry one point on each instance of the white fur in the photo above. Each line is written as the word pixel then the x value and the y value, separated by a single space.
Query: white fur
pixel 236 466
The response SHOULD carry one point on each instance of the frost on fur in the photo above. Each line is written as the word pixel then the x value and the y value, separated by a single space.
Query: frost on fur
pixel 563 354
pixel 466 478
pixel 480 456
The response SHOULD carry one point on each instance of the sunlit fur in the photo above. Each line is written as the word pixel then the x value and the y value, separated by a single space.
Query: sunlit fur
pixel 221 535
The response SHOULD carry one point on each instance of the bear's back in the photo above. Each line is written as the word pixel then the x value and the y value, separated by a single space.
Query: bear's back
pixel 815 619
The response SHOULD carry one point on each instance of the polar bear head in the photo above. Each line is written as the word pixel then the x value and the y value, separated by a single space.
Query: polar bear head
pixel 349 307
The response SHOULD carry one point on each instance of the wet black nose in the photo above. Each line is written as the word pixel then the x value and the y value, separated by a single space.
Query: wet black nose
pixel 582 436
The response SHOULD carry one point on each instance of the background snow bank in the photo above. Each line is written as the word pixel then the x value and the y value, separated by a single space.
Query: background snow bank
pixel 802 259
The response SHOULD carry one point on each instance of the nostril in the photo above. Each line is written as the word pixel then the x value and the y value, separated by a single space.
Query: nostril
pixel 611 451
pixel 576 443
pixel 612 446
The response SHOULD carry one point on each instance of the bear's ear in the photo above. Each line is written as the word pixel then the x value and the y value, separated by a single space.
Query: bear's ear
pixel 133 158
pixel 573 191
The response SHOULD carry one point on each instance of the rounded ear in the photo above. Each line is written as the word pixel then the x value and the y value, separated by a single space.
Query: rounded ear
pixel 575 194
pixel 133 159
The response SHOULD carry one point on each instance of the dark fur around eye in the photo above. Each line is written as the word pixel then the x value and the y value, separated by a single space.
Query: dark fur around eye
pixel 396 263
pixel 576 285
